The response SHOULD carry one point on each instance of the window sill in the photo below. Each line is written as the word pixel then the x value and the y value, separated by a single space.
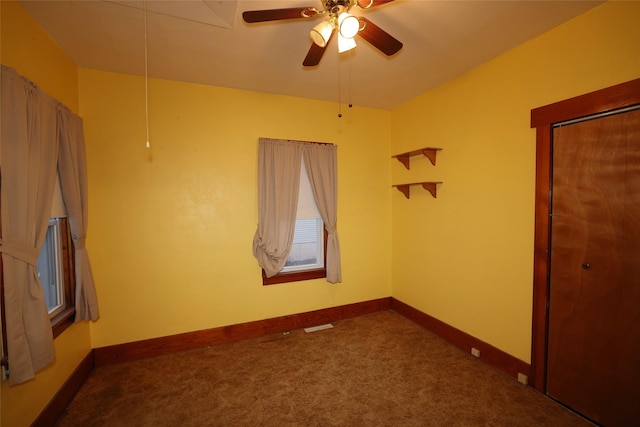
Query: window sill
pixel 296 276
pixel 62 321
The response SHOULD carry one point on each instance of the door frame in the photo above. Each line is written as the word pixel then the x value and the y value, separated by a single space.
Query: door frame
pixel 543 118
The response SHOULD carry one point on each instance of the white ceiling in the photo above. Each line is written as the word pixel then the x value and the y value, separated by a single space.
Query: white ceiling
pixel 205 41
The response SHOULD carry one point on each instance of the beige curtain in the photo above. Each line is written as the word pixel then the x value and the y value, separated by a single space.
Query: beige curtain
pixel 322 168
pixel 29 148
pixel 73 179
pixel 278 182
pixel 38 133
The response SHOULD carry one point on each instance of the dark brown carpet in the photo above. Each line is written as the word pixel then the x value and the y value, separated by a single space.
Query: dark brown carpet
pixel 375 370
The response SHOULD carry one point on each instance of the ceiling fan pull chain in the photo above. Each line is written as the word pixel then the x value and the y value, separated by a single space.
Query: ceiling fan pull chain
pixel 339 88
pixel 350 81
pixel 339 93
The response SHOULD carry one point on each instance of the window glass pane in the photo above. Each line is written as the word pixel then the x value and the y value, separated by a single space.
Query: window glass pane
pixel 307 250
pixel 49 268
pixel 306 203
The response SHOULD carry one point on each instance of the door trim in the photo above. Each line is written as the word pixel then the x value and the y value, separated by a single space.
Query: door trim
pixel 543 118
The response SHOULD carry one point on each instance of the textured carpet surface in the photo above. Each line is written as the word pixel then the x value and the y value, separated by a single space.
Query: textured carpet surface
pixel 374 370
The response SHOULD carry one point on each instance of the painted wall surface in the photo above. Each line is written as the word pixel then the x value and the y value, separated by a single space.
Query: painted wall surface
pixel 22 403
pixel 171 227
pixel 29 50
pixel 466 257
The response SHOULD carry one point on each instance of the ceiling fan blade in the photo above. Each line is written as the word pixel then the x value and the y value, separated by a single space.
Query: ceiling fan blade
pixel 252 16
pixel 314 55
pixel 379 38
pixel 366 4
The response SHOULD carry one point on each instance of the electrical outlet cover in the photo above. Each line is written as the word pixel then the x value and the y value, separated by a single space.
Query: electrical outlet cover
pixel 522 378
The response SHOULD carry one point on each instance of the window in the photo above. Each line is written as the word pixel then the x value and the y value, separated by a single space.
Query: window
pixel 308 250
pixel 55 270
pixel 50 268
pixel 287 209
pixel 55 266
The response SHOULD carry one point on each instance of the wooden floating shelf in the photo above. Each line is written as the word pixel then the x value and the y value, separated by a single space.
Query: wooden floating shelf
pixel 429 186
pixel 428 152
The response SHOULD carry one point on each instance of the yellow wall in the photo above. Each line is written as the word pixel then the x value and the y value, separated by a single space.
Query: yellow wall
pixel 26 48
pixel 30 51
pixel 466 257
pixel 171 228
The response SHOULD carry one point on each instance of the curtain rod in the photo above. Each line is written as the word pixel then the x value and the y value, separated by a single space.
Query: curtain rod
pixel 297 140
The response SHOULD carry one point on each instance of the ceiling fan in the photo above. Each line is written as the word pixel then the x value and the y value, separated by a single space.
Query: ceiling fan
pixel 338 20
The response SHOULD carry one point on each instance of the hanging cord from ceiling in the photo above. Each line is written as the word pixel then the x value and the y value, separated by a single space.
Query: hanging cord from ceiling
pixel 339 88
pixel 146 76
pixel 340 83
pixel 349 78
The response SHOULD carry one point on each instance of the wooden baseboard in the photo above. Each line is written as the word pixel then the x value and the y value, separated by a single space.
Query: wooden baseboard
pixel 190 340
pixel 175 343
pixel 488 354
pixel 57 405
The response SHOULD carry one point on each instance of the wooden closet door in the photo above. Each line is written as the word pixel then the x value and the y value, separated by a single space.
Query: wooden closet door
pixel 593 357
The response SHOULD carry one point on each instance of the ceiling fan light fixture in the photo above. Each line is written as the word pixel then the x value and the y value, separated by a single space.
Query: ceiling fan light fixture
pixel 348 25
pixel 321 33
pixel 345 44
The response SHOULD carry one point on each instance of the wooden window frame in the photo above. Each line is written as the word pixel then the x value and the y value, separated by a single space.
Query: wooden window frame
pixel 543 118
pixel 66 317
